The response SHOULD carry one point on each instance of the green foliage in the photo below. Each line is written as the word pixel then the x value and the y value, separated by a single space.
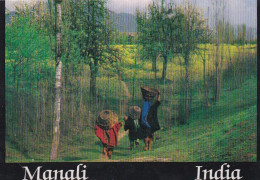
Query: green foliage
pixel 28 66
pixel 28 51
pixel 191 31
pixel 168 30
pixel 225 131
pixel 87 26
pixel 87 34
pixel 123 38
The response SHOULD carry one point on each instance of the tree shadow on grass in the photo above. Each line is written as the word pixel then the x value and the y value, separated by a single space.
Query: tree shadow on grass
pixel 72 158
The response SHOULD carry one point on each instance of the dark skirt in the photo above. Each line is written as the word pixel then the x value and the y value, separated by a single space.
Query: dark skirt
pixel 145 132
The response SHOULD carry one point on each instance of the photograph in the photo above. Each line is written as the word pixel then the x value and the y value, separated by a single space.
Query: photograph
pixel 90 81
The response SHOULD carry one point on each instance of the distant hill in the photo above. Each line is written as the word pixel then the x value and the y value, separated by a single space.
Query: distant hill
pixel 8 15
pixel 123 22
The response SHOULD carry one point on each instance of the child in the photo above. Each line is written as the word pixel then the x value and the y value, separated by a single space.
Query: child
pixel 132 124
pixel 106 129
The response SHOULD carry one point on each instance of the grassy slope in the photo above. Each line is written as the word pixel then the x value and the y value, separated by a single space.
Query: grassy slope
pixel 226 131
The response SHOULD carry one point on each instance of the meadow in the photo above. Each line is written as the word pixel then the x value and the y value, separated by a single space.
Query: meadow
pixel 225 130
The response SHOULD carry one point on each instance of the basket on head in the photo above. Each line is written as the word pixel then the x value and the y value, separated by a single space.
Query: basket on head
pixel 134 112
pixel 106 119
pixel 148 93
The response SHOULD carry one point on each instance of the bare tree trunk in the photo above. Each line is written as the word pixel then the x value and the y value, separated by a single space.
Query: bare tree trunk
pixel 206 90
pixel 56 136
pixel 206 101
pixel 133 85
pixel 154 66
pixel 187 92
pixel 217 85
pixel 14 80
pixel 93 74
pixel 120 95
pixel 164 67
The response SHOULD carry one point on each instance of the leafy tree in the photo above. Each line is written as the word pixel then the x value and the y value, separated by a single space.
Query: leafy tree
pixel 26 47
pixel 27 66
pixel 166 18
pixel 203 50
pixel 148 36
pixel 157 32
pixel 192 31
pixel 219 41
pixel 242 30
pixel 90 31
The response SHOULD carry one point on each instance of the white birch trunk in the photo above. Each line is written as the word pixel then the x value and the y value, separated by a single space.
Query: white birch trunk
pixel 56 132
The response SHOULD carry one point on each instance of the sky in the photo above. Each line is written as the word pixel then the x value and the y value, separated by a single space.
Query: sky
pixel 237 11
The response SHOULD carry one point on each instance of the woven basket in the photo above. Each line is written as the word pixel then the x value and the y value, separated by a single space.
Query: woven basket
pixel 134 112
pixel 148 93
pixel 107 119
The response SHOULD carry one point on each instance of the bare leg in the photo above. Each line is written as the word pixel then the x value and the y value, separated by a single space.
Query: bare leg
pixel 131 144
pixel 105 152
pixel 150 142
pixel 110 152
pixel 146 142
pixel 137 143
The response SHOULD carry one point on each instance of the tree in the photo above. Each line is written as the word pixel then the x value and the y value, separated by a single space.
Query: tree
pixel 203 56
pixel 90 30
pixel 192 31
pixel 27 55
pixel 56 134
pixel 148 36
pixel 157 32
pixel 165 18
pixel 219 43
pixel 21 33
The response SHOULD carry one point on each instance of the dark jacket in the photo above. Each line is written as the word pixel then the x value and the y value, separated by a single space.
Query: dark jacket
pixel 133 130
pixel 152 119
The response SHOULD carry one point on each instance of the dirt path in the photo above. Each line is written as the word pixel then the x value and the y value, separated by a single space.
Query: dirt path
pixel 125 89
pixel 121 133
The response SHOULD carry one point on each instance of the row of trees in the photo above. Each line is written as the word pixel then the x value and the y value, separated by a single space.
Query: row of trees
pixel 166 30
pixel 78 34
pixel 86 32
pixel 170 30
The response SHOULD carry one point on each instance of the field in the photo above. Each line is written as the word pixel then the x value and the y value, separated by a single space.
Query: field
pixel 223 131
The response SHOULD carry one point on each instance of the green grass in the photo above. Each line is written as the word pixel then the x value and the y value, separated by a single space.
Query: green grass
pixel 226 131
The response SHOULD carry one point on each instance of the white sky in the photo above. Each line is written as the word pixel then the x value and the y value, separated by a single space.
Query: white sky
pixel 238 11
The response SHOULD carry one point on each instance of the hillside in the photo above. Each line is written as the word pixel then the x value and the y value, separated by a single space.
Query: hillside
pixel 63 69
pixel 122 22
pixel 226 131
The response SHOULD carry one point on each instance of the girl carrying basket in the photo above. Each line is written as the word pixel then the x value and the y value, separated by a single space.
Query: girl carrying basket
pixel 106 129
